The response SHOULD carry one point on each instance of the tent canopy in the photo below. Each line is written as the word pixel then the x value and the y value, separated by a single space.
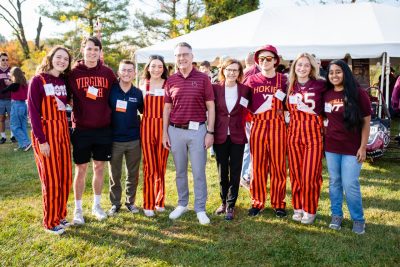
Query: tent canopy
pixel 363 30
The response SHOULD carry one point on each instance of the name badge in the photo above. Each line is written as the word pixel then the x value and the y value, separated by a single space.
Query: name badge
pixel 194 125
pixel 244 102
pixel 280 95
pixel 92 92
pixel 326 122
pixel 132 99
pixel 293 99
pixel 60 104
pixel 159 92
pixel 121 106
pixel 328 108
pixel 49 89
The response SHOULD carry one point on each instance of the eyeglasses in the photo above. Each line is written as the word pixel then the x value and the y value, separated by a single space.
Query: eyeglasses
pixel 232 70
pixel 182 55
pixel 4 59
pixel 267 58
pixel 127 70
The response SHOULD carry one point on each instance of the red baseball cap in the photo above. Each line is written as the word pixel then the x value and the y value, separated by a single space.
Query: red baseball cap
pixel 269 48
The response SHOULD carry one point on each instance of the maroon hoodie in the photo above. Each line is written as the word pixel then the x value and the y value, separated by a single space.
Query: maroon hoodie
pixel 91 113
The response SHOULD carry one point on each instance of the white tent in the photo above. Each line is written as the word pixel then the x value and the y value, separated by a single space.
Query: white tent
pixel 364 30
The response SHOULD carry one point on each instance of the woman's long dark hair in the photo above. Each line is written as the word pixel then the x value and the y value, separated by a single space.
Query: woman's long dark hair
pixel 146 73
pixel 352 114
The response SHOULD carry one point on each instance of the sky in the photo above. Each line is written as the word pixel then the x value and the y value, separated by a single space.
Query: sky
pixel 30 13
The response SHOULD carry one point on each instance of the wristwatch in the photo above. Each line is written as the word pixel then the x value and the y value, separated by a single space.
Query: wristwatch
pixel 209 132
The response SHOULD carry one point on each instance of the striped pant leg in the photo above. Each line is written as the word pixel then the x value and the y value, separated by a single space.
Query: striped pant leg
pixel 312 174
pixel 259 158
pixel 50 184
pixel 149 163
pixel 65 169
pixel 162 154
pixel 277 150
pixel 295 158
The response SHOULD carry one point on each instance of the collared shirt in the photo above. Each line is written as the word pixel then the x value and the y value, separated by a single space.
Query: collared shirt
pixel 126 124
pixel 188 96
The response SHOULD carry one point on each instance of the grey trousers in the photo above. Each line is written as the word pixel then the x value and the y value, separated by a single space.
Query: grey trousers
pixel 190 143
pixel 133 154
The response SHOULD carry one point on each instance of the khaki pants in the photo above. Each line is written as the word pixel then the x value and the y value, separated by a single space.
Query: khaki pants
pixel 132 152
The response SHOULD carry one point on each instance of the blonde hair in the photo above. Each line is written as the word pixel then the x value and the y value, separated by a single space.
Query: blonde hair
pixel 314 73
pixel 226 63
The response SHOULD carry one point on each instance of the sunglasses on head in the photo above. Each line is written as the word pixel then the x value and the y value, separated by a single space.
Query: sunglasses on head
pixel 267 58
pixel 156 57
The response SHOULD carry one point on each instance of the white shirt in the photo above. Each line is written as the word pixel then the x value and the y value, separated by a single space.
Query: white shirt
pixel 231 97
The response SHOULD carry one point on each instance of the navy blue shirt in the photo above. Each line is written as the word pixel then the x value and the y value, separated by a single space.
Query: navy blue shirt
pixel 126 125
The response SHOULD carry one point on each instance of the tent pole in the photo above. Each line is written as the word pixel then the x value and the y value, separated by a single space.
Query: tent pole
pixel 387 80
pixel 381 85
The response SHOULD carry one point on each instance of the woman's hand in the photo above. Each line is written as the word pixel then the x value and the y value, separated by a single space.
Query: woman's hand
pixel 361 154
pixel 45 149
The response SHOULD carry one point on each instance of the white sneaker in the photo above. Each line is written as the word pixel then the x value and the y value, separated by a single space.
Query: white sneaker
pixel 99 213
pixel 148 213
pixel 202 216
pixel 160 209
pixel 308 218
pixel 297 215
pixel 56 230
pixel 78 217
pixel 177 212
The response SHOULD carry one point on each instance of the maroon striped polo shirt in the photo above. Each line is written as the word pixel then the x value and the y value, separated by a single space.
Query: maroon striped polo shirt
pixel 188 96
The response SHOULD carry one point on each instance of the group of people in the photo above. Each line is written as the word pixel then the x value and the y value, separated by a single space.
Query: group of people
pixel 186 114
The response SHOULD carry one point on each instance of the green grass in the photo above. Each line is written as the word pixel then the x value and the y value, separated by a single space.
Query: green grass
pixel 130 240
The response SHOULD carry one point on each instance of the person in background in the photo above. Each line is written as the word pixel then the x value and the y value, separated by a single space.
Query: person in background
pixel 5 99
pixel 19 110
pixel 304 136
pixel 155 156
pixel 231 98
pixel 47 98
pixel 126 101
pixel 268 133
pixel 251 66
pixel 188 98
pixel 348 111
pixel 90 82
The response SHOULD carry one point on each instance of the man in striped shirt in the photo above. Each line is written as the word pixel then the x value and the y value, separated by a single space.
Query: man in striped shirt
pixel 188 97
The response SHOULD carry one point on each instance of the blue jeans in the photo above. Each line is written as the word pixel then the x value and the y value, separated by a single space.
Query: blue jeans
pixel 246 164
pixel 344 171
pixel 18 121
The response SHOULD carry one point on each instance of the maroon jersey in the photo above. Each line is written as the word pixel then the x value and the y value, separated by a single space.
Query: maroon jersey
pixel 188 96
pixel 36 96
pixel 91 112
pixel 308 97
pixel 337 138
pixel 264 89
pixel 4 76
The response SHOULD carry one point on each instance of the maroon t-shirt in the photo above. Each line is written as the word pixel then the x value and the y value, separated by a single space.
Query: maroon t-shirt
pixel 251 71
pixel 188 96
pixel 310 94
pixel 3 77
pixel 89 113
pixel 337 138
pixel 263 87
pixel 36 93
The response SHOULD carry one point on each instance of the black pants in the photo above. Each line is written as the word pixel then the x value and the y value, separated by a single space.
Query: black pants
pixel 229 158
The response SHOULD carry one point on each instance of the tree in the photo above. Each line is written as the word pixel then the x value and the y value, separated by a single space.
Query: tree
pixel 166 22
pixel 113 15
pixel 13 17
pixel 220 10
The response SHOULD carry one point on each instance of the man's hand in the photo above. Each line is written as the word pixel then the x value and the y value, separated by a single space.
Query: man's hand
pixel 208 140
pixel 166 142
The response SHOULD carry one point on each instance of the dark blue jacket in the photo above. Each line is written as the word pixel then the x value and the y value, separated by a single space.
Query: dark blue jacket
pixel 126 125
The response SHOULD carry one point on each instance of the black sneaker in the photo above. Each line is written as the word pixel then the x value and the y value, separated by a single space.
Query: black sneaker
pixel 13 140
pixel 2 140
pixel 254 211
pixel 280 213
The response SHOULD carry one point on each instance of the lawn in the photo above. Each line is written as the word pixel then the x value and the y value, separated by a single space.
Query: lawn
pixel 130 240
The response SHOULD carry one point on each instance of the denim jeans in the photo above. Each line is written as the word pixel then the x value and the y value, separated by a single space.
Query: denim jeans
pixel 18 122
pixel 246 164
pixel 344 171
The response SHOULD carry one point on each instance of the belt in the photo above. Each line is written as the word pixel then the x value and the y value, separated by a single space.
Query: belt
pixel 182 126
